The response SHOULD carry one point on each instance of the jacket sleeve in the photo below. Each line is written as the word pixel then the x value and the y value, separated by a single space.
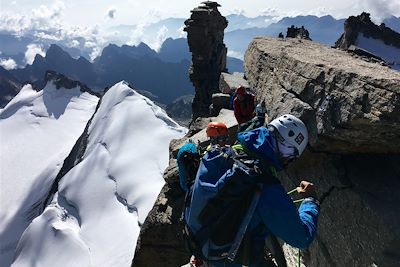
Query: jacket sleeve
pixel 279 214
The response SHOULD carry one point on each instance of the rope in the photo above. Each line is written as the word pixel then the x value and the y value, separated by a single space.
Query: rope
pixel 299 259
pixel 297 201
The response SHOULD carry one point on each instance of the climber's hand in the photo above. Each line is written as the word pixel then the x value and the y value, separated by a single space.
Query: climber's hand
pixel 306 189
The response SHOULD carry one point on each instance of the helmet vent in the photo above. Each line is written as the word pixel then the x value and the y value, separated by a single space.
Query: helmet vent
pixel 291 133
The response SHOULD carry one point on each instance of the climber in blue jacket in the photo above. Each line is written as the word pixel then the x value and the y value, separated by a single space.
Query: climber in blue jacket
pixel 282 142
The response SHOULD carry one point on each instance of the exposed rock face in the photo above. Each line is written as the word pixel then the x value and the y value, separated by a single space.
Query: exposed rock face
pixel 9 87
pixel 62 81
pixel 205 29
pixel 353 26
pixel 181 109
pixel 295 32
pixel 352 110
pixel 350 105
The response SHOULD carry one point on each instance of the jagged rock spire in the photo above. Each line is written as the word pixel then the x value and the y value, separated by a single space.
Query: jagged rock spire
pixel 205 29
pixel 362 24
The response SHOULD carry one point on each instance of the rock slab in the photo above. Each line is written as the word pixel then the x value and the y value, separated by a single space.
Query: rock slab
pixel 349 105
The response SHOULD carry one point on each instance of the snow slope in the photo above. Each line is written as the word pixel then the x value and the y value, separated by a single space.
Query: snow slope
pixel 95 218
pixel 37 132
pixel 388 53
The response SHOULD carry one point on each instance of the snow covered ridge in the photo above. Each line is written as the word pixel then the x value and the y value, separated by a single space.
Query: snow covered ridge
pixel 38 130
pixel 389 53
pixel 94 219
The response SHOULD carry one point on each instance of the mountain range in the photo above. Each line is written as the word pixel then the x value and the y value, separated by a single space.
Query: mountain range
pixel 240 31
pixel 162 73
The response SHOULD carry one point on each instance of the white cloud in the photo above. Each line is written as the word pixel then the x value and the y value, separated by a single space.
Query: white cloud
pixel 8 64
pixel 48 16
pixel 48 36
pixel 319 12
pixel 96 51
pixel 154 41
pixel 181 32
pixel 380 9
pixel 111 12
pixel 235 54
pixel 43 18
pixel 161 36
pixel 89 44
pixel 31 51
pixel 137 34
pixel 73 43
pixel 270 12
pixel 238 11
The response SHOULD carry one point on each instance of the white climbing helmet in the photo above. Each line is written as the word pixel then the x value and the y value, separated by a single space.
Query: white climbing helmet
pixel 293 130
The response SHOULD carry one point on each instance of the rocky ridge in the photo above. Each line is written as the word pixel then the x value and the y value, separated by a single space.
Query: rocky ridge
pixel 351 108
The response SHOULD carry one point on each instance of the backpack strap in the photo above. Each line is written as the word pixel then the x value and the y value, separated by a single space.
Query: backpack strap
pixel 245 223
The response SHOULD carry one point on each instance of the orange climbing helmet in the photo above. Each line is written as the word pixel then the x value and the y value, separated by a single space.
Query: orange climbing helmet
pixel 215 129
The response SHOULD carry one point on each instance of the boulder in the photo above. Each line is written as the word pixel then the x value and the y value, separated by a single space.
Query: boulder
pixel 348 104
pixel 219 101
pixel 229 82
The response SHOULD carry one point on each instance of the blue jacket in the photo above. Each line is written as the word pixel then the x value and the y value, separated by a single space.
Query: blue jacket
pixel 275 212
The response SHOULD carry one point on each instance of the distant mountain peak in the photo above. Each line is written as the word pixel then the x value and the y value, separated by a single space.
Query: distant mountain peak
pixel 61 81
pixel 366 39
pixel 362 24
pixel 138 51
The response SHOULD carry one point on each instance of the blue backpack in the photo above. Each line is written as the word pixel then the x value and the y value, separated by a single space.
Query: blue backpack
pixel 220 203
